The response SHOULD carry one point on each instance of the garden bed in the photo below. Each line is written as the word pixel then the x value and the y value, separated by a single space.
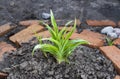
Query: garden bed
pixel 85 63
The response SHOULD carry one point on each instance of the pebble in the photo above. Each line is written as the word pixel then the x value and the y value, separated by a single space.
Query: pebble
pixel 12 3
pixel 112 35
pixel 83 77
pixel 117 31
pixel 6 70
pixel 107 30
pixel 23 65
pixel 45 15
pixel 50 72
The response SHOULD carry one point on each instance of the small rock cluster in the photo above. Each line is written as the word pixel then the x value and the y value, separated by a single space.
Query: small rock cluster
pixel 111 32
pixel 85 63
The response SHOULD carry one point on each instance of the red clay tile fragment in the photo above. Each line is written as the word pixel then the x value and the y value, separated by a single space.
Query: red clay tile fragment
pixel 31 22
pixel 3 75
pixel 4 47
pixel 101 23
pixel 5 28
pixel 116 42
pixel 44 34
pixel 113 53
pixel 27 34
pixel 28 22
pixel 117 77
pixel 95 39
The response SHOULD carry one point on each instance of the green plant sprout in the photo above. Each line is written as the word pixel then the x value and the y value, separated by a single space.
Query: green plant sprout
pixel 109 41
pixel 60 47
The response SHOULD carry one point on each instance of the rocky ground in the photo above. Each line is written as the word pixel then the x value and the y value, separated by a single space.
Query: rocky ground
pixel 85 63
pixel 15 10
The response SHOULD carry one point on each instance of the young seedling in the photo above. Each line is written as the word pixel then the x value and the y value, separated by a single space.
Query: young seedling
pixel 109 41
pixel 60 47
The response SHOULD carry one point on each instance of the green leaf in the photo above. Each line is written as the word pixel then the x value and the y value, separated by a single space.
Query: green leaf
pixel 68 23
pixel 35 48
pixel 54 24
pixel 109 41
pixel 60 47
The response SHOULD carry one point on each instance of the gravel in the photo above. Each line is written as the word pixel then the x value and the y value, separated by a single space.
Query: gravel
pixel 85 63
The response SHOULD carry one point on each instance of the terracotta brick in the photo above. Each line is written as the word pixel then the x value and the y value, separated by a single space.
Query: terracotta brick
pixel 4 47
pixel 31 22
pixel 26 34
pixel 113 53
pixel 101 23
pixel 117 77
pixel 5 28
pixel 43 34
pixel 95 39
pixel 3 75
pixel 117 41
pixel 68 28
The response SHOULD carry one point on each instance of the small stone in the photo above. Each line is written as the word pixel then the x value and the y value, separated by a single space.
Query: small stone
pixel 6 70
pixel 106 30
pixel 83 77
pixel 23 65
pixel 112 35
pixel 34 72
pixel 45 15
pixel 117 31
pixel 12 3
pixel 50 72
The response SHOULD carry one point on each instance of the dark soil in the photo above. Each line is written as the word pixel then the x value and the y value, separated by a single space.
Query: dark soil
pixel 85 63
pixel 16 10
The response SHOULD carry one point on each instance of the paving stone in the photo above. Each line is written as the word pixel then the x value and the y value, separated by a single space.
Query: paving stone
pixel 113 53
pixel 26 34
pixel 117 41
pixel 5 28
pixel 101 23
pixel 4 47
pixel 3 75
pixel 117 77
pixel 95 39
pixel 67 28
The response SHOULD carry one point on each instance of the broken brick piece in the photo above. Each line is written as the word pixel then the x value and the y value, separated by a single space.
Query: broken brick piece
pixel 3 75
pixel 31 22
pixel 101 23
pixel 117 77
pixel 28 22
pixel 4 47
pixel 5 28
pixel 113 53
pixel 95 39
pixel 116 42
pixel 44 34
pixel 67 28
pixel 26 34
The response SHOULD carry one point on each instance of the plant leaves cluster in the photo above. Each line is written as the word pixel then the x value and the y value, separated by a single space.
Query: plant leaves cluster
pixel 60 47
